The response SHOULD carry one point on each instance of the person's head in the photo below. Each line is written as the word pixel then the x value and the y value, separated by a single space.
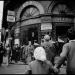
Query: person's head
pixel 47 37
pixel 39 54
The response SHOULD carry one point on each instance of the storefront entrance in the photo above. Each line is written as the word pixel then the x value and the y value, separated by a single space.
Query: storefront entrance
pixel 62 30
pixel 33 34
pixel 30 33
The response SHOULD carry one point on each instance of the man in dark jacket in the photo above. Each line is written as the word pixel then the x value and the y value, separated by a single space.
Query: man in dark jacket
pixel 49 48
pixel 69 52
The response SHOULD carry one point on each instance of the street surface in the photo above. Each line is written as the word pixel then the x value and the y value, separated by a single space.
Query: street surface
pixel 20 68
pixel 13 69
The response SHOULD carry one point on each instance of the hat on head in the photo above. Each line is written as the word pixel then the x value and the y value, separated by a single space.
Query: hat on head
pixel 39 54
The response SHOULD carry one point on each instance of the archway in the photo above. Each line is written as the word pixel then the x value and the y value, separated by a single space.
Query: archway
pixel 29 10
pixel 28 3
pixel 62 19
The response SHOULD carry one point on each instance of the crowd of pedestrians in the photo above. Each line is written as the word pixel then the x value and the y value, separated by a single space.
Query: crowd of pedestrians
pixel 44 58
pixel 25 53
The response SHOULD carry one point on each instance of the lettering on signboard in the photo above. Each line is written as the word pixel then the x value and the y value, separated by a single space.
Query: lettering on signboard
pixel 11 16
pixel 62 19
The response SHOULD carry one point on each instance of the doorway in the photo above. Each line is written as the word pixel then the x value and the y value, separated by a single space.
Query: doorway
pixel 62 30
pixel 33 34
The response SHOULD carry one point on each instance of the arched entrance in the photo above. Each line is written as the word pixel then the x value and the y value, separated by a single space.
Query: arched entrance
pixel 28 3
pixel 30 29
pixel 62 20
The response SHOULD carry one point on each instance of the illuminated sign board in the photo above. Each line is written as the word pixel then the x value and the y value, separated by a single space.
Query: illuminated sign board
pixel 46 26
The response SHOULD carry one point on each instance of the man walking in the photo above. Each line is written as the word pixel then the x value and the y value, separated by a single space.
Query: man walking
pixel 49 48
pixel 69 52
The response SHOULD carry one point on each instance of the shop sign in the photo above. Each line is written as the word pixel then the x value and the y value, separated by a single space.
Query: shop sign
pixel 46 26
pixel 11 16
pixel 11 13
pixel 62 19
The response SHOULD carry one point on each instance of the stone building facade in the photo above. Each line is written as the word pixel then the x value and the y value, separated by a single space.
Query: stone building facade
pixel 34 19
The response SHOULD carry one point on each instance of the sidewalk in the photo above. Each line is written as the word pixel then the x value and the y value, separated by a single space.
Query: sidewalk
pixel 17 68
pixel 20 68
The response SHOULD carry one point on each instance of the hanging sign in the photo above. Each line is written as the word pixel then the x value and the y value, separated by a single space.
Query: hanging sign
pixel 46 26
pixel 11 16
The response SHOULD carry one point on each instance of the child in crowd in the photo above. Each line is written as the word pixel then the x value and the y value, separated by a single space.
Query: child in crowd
pixel 40 65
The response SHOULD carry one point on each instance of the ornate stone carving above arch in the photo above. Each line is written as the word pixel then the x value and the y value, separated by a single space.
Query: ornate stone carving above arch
pixel 60 8
pixel 34 3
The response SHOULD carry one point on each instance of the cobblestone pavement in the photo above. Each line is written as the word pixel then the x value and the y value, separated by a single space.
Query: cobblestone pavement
pixel 20 68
